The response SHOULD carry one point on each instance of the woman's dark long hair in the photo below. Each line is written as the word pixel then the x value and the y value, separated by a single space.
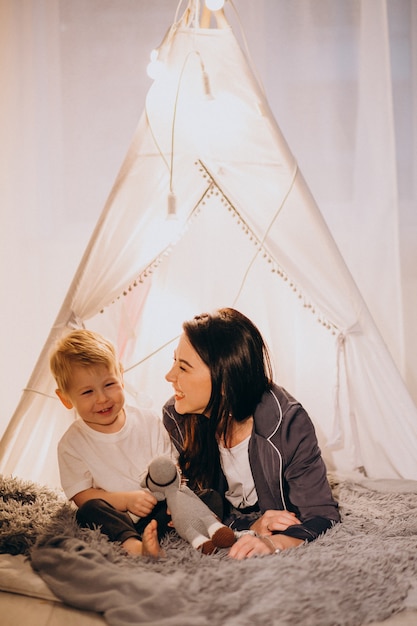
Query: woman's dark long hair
pixel 233 349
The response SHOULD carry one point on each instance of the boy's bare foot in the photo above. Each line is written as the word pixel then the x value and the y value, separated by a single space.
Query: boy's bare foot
pixel 150 543
pixel 149 546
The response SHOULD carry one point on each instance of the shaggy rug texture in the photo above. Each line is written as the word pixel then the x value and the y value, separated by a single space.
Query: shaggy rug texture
pixel 358 572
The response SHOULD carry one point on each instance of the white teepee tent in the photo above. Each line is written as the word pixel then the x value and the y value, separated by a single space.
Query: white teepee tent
pixel 210 209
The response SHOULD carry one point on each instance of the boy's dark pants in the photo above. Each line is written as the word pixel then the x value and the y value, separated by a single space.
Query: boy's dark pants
pixel 118 525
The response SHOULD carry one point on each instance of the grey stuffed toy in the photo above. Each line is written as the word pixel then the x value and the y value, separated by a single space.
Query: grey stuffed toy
pixel 192 519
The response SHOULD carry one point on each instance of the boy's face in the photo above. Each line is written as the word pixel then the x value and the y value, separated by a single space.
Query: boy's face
pixel 97 395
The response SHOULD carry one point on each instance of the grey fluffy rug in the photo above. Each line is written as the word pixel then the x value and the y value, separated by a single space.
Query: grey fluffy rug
pixel 360 571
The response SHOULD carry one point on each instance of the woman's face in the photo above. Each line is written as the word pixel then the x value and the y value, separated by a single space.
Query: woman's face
pixel 190 378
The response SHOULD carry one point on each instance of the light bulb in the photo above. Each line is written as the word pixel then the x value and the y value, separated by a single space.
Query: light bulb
pixel 155 67
pixel 172 206
pixel 214 5
pixel 206 86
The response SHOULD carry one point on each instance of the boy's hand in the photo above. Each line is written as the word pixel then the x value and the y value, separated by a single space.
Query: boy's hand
pixel 140 503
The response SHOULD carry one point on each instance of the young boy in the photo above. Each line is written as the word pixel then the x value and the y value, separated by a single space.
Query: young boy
pixel 105 453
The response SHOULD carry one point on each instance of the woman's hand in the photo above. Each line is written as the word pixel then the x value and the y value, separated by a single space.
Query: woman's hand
pixel 248 546
pixel 140 502
pixel 274 520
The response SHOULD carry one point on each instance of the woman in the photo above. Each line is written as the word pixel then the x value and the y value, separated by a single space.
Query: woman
pixel 239 433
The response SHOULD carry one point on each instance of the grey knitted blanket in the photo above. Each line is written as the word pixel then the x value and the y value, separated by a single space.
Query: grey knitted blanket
pixel 361 571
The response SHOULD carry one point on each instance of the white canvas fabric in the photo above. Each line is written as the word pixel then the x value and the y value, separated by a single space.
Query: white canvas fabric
pixel 247 233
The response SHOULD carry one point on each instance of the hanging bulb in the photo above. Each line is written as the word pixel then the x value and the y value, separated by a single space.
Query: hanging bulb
pixel 206 86
pixel 214 5
pixel 206 80
pixel 155 66
pixel 172 206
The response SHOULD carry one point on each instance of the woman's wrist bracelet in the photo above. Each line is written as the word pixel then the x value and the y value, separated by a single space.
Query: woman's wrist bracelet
pixel 268 540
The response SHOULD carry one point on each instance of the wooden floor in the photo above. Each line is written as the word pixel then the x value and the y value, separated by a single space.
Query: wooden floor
pixel 16 610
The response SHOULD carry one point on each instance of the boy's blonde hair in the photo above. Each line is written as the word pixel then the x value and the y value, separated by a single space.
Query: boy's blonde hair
pixel 85 348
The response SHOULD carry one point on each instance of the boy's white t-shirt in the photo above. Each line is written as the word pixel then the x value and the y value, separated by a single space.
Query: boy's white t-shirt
pixel 111 461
